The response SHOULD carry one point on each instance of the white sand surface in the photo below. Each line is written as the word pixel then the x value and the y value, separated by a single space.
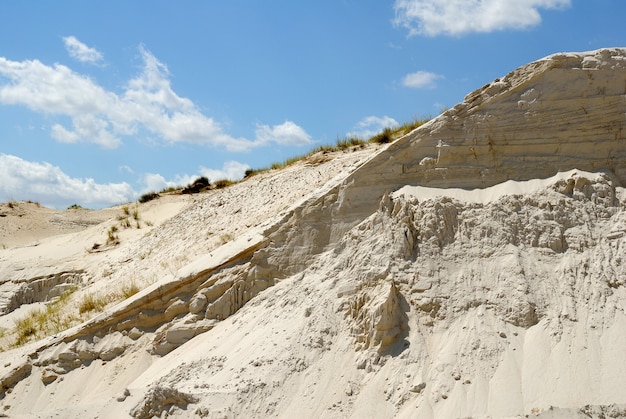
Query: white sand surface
pixel 460 271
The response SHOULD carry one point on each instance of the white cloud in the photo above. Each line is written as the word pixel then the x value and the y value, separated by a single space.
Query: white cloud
pixel 155 182
pixel 421 79
pixel 231 170
pixel 103 117
pixel 49 185
pixel 80 51
pixel 126 169
pixel 286 133
pixel 372 125
pixel 458 17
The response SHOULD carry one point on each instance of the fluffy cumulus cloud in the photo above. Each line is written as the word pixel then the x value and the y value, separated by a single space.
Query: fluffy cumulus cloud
pixel 231 170
pixel 147 103
pixel 154 182
pixel 81 52
pixel 421 79
pixel 458 17
pixel 372 125
pixel 286 133
pixel 49 185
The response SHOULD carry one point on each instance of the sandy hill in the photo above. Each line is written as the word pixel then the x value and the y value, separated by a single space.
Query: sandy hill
pixel 472 268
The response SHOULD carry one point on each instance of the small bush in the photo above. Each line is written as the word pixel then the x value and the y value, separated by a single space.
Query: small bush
pixel 199 185
pixel 148 197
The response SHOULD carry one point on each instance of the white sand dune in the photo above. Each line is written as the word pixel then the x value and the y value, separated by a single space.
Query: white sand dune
pixel 472 268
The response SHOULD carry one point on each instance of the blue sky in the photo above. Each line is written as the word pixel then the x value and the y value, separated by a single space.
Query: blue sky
pixel 101 101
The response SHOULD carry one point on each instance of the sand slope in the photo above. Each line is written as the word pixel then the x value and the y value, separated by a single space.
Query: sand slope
pixel 473 268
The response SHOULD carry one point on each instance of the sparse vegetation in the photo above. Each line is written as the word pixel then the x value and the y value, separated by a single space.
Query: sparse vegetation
pixel 222 183
pixel 40 322
pixel 128 219
pixel 55 317
pixel 25 328
pixel 112 238
pixel 129 289
pixel 171 189
pixel 91 302
pixel 74 207
pixel 344 144
pixel 388 135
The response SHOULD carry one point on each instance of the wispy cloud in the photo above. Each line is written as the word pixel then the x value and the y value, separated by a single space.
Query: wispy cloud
pixel 81 52
pixel 458 17
pixel 48 184
pixel 147 104
pixel 421 79
pixel 372 125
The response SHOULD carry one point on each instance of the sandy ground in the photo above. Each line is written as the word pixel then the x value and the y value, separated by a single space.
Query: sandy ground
pixel 407 280
pixel 25 223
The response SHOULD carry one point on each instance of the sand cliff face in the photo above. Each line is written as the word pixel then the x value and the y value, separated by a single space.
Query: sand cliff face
pixel 398 289
pixel 562 112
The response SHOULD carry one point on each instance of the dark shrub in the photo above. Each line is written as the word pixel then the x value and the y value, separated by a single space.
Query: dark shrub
pixel 198 185
pixel 148 197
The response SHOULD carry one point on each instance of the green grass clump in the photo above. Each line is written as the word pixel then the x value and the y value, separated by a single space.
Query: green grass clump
pixel 385 137
pixel 346 143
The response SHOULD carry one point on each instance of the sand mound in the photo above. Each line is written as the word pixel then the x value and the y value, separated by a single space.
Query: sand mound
pixel 473 268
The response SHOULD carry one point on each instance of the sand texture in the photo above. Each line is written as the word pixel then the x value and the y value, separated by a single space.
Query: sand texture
pixel 475 267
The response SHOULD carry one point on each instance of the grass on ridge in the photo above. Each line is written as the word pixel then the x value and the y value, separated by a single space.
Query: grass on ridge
pixel 388 135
